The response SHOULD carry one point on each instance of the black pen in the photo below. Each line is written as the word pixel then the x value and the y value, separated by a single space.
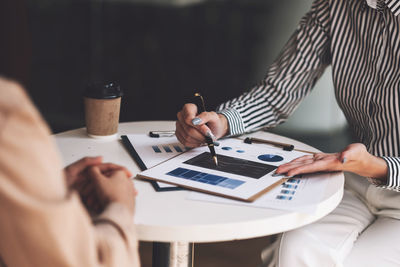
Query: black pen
pixel 210 143
pixel 287 147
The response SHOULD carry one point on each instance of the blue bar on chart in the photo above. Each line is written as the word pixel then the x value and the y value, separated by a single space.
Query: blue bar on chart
pixel 293 180
pixel 283 197
pixel 178 148
pixel 289 186
pixel 289 192
pixel 206 178
pixel 156 149
pixel 167 149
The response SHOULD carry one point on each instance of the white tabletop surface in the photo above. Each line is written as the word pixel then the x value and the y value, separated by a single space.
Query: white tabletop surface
pixel 170 217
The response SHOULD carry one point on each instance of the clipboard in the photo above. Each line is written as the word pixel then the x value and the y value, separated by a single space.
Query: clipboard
pixel 245 171
pixel 129 146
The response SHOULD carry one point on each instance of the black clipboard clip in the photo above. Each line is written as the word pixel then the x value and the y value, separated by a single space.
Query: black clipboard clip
pixel 157 134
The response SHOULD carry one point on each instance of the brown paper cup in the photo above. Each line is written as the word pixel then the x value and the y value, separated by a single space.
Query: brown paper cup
pixel 102 117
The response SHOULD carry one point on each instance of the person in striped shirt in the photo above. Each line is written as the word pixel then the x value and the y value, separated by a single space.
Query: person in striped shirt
pixel 360 39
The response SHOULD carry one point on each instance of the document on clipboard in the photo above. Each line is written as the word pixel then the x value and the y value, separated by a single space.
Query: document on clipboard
pixel 149 151
pixel 244 171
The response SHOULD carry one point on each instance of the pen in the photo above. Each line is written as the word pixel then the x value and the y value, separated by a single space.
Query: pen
pixel 287 147
pixel 202 108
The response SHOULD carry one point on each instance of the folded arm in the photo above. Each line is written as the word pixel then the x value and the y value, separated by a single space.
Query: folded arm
pixel 43 223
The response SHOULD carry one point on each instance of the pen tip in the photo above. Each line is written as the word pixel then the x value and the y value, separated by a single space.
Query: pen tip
pixel 215 160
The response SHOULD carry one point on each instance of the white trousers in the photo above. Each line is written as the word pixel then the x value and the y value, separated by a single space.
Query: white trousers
pixel 363 231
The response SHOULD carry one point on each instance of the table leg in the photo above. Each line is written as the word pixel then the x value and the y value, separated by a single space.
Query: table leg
pixel 174 254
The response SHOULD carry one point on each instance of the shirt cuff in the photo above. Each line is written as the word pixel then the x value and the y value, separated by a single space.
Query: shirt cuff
pixel 235 122
pixel 394 6
pixel 118 216
pixel 393 177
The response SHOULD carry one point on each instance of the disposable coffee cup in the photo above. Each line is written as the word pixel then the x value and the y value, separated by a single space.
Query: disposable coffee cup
pixel 102 107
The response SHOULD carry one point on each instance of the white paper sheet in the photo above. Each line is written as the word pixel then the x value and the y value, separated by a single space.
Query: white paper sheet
pixel 242 180
pixel 303 195
pixel 153 151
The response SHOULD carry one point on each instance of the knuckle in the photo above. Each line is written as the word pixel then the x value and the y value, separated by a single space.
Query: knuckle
pixel 185 135
pixel 187 107
pixel 86 160
pixel 212 114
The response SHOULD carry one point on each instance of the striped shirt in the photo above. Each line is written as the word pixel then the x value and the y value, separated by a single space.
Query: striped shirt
pixel 362 45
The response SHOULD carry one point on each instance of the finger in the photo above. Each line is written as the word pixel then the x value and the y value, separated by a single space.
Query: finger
pixel 184 137
pixel 111 173
pixel 83 163
pixel 205 130
pixel 306 164
pixel 189 137
pixel 190 124
pixel 319 156
pixel 110 167
pixel 284 168
pixel 316 166
pixel 180 138
pixel 95 174
pixel 343 157
pixel 116 175
pixel 205 118
pixel 302 158
pixel 134 188
pixel 350 152
pixel 188 113
pixel 207 123
pixel 191 133
pixel 80 184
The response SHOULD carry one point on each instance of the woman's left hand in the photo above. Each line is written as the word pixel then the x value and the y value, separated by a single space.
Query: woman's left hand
pixel 354 158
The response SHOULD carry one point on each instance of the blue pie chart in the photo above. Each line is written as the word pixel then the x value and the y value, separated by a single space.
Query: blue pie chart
pixel 270 158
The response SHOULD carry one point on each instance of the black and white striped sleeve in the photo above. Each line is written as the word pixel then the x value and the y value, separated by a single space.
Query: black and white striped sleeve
pixel 393 177
pixel 394 6
pixel 289 79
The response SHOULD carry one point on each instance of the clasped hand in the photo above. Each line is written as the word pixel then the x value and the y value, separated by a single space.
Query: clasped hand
pixel 99 184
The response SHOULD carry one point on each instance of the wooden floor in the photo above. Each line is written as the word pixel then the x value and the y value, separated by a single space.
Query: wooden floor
pixel 242 253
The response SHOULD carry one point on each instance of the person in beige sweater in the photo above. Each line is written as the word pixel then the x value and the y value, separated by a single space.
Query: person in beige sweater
pixel 79 216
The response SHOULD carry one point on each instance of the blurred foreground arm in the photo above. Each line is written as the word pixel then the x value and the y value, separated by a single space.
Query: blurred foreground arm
pixel 43 223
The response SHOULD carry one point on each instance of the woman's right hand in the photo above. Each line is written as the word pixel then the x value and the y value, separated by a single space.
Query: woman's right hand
pixel 191 127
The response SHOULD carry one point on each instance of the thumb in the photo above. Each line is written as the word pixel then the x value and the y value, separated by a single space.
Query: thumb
pixel 347 154
pixel 351 152
pixel 95 174
pixel 342 157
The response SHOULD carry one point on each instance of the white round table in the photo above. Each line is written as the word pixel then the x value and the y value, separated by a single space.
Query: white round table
pixel 168 217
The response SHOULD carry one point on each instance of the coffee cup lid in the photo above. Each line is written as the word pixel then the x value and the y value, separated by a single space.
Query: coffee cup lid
pixel 103 90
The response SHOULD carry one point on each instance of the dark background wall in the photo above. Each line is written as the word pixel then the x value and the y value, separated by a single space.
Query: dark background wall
pixel 160 54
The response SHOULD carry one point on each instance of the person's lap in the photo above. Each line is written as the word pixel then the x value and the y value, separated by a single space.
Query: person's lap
pixel 351 235
pixel 378 245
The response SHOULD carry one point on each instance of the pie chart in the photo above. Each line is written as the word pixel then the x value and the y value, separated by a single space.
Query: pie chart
pixel 270 158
